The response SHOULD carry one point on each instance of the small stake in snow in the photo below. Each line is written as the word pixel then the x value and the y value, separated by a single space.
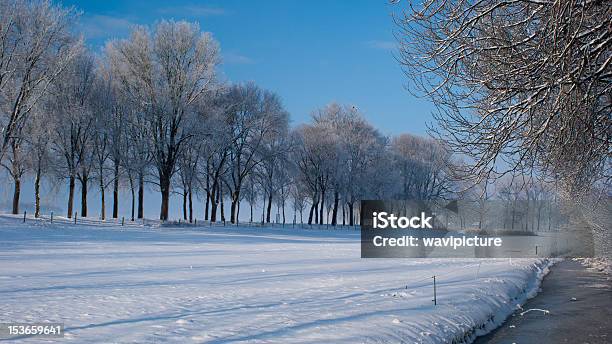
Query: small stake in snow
pixel 122 220
pixel 24 216
pixel 536 250
pixel 435 301
pixel 51 217
pixel 75 216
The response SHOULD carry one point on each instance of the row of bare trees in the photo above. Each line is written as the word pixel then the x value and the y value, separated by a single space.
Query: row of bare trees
pixel 150 112
pixel 342 159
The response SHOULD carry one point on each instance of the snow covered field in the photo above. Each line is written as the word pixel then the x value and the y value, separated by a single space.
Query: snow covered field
pixel 223 285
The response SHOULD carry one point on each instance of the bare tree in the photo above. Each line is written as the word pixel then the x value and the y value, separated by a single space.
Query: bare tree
pixel 519 85
pixel 16 165
pixel 74 125
pixel 188 163
pixel 312 158
pixel 166 71
pixel 339 153
pixel 273 157
pixel 36 47
pixel 299 197
pixel 251 193
pixel 423 166
pixel 254 115
pixel 214 139
pixel 137 152
pixel 39 132
pixel 103 98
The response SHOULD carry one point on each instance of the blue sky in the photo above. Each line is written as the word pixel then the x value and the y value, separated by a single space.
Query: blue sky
pixel 309 52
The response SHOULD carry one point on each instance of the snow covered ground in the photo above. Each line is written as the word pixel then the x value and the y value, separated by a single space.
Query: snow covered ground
pixel 111 284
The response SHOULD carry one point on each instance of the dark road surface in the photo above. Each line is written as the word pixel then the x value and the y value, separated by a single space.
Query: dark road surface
pixel 580 305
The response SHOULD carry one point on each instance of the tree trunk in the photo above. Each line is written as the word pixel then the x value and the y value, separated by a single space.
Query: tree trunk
pixel 220 199
pixel 335 210
pixel 102 200
pixel 351 217
pixel 141 195
pixel 283 207
pixel 269 208
pixel 116 192
pixel 263 210
pixel 184 204
pixel 37 192
pixel 190 205
pixel 70 195
pixel 213 208
pixel 16 177
pixel 213 203
pixel 322 207
pixel 213 211
pixel 164 183
pixel 310 214
pixel 251 205
pixel 132 193
pixel 234 207
pixel 84 196
pixel 16 194
pixel 207 194
pixel 207 204
pixel 133 198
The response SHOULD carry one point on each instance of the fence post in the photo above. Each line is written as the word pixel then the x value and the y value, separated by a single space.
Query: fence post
pixel 195 222
pixel 122 220
pixel 435 301
pixel 51 217
pixel 24 215
pixel 75 216
pixel 536 247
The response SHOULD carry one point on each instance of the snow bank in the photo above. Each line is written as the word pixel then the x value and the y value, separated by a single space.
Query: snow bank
pixel 220 285
pixel 601 264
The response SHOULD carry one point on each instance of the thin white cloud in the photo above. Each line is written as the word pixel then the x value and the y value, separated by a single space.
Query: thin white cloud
pixel 234 58
pixel 381 45
pixel 192 11
pixel 104 26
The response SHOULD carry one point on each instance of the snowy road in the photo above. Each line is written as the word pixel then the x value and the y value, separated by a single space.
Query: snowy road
pixel 579 305
pixel 147 285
